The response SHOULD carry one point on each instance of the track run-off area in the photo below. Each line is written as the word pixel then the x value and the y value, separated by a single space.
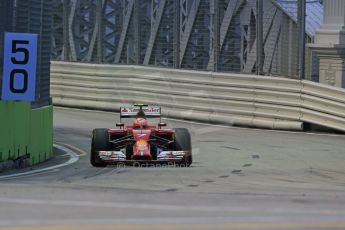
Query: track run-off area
pixel 240 179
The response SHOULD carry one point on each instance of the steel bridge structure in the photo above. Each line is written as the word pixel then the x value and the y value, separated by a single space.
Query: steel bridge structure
pixel 213 35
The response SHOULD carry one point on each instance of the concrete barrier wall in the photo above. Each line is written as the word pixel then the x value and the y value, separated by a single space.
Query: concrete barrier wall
pixel 25 132
pixel 235 99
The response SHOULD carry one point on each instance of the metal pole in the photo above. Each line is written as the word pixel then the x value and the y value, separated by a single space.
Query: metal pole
pixel 259 37
pixel 136 12
pixel 177 35
pixel 216 35
pixel 301 37
pixel 65 30
pixel 99 18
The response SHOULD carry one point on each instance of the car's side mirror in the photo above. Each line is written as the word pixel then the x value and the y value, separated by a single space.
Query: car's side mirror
pixel 121 125
pixel 161 124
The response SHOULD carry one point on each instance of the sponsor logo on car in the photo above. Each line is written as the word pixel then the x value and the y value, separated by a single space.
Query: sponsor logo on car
pixel 132 111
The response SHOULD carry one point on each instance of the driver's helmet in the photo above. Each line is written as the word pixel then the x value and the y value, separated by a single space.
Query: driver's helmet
pixel 140 123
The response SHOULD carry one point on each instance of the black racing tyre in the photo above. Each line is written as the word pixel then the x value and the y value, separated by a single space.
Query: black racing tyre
pixel 153 151
pixel 183 143
pixel 100 142
pixel 129 151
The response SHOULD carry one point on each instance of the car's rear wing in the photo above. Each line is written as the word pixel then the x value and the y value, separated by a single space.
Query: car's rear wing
pixel 132 111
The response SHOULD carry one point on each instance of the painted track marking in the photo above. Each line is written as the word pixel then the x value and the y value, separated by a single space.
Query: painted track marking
pixel 74 148
pixel 248 226
pixel 73 158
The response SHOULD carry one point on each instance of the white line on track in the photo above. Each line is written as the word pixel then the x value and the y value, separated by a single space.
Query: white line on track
pixel 216 125
pixel 73 158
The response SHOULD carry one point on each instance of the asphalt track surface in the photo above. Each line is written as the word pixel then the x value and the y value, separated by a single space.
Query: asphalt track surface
pixel 240 179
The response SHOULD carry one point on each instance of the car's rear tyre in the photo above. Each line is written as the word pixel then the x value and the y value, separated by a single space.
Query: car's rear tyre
pixel 183 143
pixel 100 142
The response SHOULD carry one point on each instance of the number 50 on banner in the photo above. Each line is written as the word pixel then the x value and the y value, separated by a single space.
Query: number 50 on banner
pixel 19 72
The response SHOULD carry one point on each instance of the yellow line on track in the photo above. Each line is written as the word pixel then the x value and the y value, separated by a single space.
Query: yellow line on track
pixel 228 226
pixel 74 148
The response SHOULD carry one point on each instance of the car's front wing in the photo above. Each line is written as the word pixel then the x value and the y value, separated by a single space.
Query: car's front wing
pixel 114 157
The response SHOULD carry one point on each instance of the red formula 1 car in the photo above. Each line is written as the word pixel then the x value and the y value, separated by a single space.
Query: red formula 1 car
pixel 141 142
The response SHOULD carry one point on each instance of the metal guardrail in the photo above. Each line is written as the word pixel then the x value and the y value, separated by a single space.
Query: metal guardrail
pixel 235 99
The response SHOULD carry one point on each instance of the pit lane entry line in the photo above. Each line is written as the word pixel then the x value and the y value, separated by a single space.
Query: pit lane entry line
pixel 74 157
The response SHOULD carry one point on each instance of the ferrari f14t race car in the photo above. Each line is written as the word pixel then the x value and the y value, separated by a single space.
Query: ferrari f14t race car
pixel 140 142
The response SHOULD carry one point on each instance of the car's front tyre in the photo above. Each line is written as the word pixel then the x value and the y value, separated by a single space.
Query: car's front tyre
pixel 100 142
pixel 183 143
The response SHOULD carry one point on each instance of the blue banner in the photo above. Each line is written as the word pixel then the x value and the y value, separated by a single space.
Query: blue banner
pixel 19 72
